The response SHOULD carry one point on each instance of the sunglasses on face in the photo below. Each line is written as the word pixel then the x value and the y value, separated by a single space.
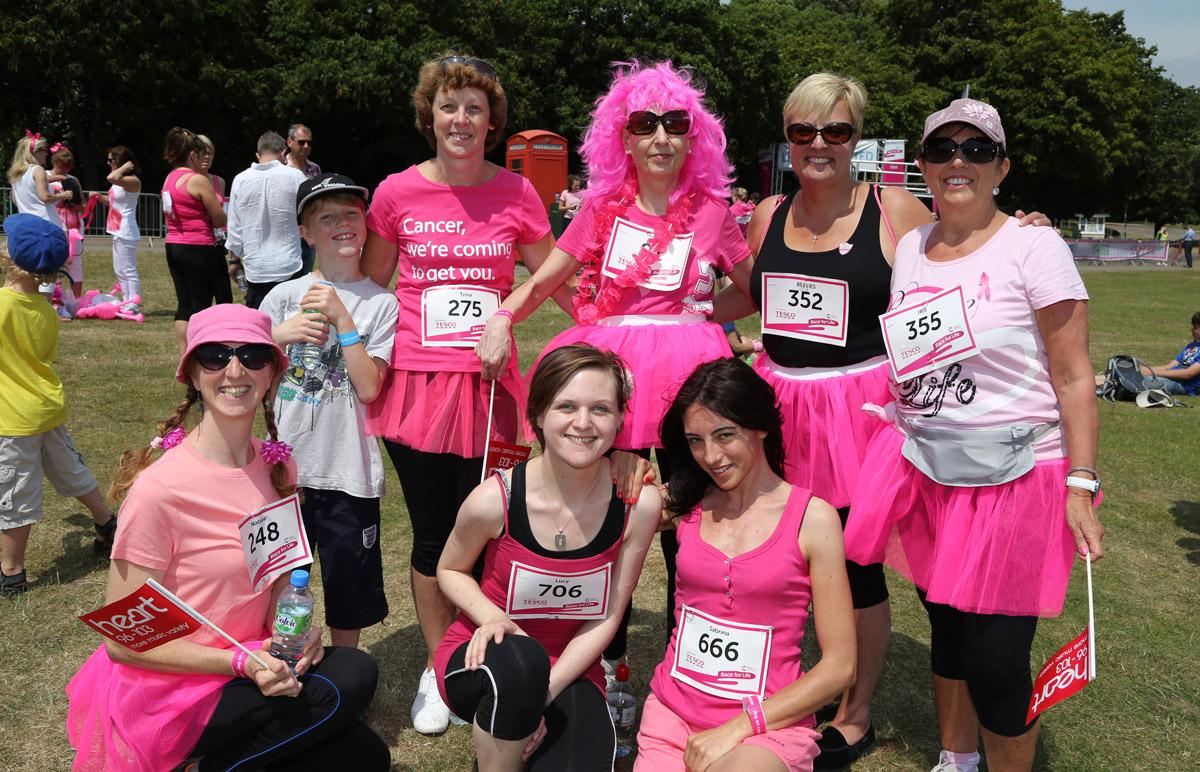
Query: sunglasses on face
pixel 975 150
pixel 480 66
pixel 215 357
pixel 302 141
pixel 643 122
pixel 833 133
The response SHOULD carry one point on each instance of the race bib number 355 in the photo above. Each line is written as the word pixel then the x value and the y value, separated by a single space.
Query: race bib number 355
pixel 537 593
pixel 454 315
pixel 928 335
pixel 723 658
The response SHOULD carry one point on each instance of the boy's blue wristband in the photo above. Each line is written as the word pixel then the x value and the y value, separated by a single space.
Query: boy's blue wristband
pixel 348 339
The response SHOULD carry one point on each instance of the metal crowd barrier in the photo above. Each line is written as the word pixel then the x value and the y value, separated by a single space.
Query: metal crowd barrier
pixel 149 213
pixel 1100 251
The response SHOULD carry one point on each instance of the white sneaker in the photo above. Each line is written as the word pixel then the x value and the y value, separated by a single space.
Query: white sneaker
pixel 971 764
pixel 429 714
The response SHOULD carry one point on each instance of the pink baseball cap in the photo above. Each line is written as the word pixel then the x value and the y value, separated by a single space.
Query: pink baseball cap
pixel 227 322
pixel 971 112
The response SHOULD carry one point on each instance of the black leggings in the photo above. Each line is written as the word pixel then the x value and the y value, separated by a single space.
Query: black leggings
pixel 506 697
pixel 320 729
pixel 619 644
pixel 435 485
pixel 200 278
pixel 867 585
pixel 991 653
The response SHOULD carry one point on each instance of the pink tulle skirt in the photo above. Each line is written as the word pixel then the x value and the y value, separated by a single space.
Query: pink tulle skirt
pixel 660 358
pixel 126 719
pixel 447 412
pixel 825 431
pixel 998 549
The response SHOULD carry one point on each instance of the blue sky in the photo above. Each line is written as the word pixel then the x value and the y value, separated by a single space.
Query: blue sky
pixel 1171 25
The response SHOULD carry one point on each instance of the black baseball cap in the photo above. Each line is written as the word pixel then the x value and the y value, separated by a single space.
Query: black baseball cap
pixel 324 184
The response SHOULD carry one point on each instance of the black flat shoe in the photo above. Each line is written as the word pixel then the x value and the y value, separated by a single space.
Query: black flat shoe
pixel 836 753
pixel 102 544
pixel 12 585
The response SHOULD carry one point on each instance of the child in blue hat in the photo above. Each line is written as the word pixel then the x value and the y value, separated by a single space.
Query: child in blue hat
pixel 33 412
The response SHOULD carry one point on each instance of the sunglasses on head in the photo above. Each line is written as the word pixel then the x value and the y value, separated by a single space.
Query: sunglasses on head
pixel 480 66
pixel 642 122
pixel 975 150
pixel 215 357
pixel 833 133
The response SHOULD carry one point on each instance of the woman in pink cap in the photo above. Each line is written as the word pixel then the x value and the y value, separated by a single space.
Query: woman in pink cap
pixel 983 491
pixel 195 699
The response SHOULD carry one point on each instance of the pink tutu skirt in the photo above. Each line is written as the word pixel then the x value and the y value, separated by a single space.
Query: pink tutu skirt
pixel 124 718
pixel 998 549
pixel 447 412
pixel 661 352
pixel 825 431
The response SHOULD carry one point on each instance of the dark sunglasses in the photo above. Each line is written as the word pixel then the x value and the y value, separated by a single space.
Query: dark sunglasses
pixel 302 141
pixel 642 122
pixel 482 67
pixel 833 133
pixel 215 357
pixel 975 150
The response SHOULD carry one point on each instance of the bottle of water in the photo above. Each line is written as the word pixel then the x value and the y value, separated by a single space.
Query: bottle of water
pixel 293 617
pixel 240 279
pixel 622 708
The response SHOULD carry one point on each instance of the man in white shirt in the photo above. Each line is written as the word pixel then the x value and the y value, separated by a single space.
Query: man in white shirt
pixel 263 233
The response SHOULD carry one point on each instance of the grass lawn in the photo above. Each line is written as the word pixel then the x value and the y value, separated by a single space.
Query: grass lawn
pixel 1137 715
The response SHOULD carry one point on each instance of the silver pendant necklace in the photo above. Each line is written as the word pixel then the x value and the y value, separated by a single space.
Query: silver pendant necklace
pixel 560 538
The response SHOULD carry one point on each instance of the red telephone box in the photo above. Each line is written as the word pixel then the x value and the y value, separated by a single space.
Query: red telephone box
pixel 541 157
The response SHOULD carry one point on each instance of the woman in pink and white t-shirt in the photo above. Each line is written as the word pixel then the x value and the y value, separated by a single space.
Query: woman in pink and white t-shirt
pixel 649 238
pixel 455 226
pixel 984 494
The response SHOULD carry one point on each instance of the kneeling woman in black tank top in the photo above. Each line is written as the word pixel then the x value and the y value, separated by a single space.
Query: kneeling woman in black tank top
pixel 562 555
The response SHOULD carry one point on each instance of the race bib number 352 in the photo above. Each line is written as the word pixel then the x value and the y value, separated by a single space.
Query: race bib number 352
pixel 805 307
pixel 723 658
pixel 537 593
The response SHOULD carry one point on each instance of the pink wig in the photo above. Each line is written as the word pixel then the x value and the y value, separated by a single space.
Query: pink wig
pixel 659 87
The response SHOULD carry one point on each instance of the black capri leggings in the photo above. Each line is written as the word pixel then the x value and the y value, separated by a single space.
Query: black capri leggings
pixel 868 587
pixel 991 653
pixel 200 277
pixel 506 697
pixel 435 485
pixel 320 729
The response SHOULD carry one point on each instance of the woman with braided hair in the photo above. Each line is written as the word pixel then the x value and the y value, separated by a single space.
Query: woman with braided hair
pixel 194 700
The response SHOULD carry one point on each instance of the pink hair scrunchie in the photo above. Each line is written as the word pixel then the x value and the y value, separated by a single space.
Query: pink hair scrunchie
pixel 168 440
pixel 276 452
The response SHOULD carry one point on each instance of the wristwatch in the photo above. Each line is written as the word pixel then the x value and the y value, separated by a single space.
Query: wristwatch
pixel 1091 486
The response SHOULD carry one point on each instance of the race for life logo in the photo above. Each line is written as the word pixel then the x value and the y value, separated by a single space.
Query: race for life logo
pixel 144 619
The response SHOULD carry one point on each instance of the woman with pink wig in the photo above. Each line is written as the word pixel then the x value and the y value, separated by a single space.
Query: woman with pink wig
pixel 647 243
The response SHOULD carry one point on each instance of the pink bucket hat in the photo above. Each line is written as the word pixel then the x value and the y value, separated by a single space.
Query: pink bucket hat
pixel 971 112
pixel 227 322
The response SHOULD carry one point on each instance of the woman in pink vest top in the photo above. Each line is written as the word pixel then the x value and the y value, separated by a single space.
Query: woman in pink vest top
pixel 562 554
pixel 753 552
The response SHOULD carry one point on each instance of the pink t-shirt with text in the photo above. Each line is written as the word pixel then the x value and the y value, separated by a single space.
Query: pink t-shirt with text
pixel 715 242
pixel 448 236
pixel 1005 282
pixel 172 521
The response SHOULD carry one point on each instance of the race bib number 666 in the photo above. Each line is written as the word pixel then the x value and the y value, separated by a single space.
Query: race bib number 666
pixel 723 658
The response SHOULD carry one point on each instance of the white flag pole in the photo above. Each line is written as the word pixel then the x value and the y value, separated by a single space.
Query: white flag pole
pixel 488 439
pixel 1091 620
pixel 179 602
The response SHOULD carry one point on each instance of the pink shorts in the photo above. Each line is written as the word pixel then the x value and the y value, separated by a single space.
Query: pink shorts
pixel 663 737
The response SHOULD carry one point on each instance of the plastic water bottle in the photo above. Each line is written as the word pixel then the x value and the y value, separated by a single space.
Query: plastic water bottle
pixel 622 708
pixel 293 617
pixel 240 278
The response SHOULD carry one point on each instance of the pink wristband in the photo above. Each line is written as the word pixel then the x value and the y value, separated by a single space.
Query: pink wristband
pixel 504 312
pixel 239 664
pixel 753 707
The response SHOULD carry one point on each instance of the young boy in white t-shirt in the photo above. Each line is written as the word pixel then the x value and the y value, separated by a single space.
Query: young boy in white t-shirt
pixel 337 327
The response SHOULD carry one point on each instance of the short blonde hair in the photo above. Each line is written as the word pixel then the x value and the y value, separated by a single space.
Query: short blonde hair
pixel 10 268
pixel 819 94
pixel 452 76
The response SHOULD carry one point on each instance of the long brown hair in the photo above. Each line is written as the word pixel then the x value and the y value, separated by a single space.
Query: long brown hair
pixel 132 462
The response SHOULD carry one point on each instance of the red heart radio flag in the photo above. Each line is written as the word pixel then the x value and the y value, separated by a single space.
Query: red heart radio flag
pixel 1064 675
pixel 145 618
pixel 504 455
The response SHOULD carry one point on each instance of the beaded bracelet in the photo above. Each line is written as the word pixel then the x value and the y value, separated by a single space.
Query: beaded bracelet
pixel 348 339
